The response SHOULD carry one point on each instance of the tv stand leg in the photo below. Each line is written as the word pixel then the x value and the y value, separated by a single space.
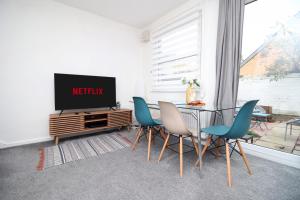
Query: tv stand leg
pixel 56 140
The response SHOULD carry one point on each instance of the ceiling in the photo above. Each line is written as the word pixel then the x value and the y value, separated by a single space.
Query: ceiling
pixel 137 13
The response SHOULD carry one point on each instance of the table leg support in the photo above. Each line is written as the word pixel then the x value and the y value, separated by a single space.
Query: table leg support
pixel 199 141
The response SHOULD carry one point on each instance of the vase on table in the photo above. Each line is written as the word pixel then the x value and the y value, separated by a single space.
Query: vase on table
pixel 190 94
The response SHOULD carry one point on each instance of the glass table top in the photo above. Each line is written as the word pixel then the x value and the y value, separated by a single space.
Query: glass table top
pixel 209 108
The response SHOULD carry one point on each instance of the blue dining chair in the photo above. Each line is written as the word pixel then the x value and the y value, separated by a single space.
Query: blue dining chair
pixel 230 135
pixel 146 122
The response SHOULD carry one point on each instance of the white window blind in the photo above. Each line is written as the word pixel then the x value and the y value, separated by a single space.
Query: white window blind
pixel 176 52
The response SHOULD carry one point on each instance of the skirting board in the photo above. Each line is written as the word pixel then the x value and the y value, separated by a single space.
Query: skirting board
pixel 273 155
pixel 4 145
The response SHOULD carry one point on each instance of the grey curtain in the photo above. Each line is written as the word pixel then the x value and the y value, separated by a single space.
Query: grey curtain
pixel 228 55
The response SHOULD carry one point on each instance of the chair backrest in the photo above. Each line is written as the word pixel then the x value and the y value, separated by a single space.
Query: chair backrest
pixel 142 112
pixel 242 121
pixel 171 118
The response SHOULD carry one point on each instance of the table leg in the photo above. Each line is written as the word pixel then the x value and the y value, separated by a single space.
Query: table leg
pixel 149 143
pixel 286 126
pixel 199 140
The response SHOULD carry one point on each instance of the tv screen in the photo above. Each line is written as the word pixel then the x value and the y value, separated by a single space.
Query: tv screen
pixel 79 91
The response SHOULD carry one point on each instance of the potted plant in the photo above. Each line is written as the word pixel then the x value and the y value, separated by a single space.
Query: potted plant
pixel 190 93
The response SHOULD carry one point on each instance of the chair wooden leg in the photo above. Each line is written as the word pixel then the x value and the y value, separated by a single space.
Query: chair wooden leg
pixel 56 140
pixel 180 155
pixel 137 138
pixel 137 132
pixel 218 143
pixel 204 149
pixel 162 133
pixel 195 145
pixel 153 139
pixel 149 143
pixel 228 164
pixel 147 135
pixel 142 132
pixel 206 145
pixel 164 147
pixel 244 157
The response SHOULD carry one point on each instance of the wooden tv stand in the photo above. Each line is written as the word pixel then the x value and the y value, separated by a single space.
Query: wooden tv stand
pixel 68 124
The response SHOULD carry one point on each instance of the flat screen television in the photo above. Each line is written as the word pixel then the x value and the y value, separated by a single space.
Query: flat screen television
pixel 80 91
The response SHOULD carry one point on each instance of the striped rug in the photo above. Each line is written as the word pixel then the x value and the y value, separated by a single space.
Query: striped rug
pixel 78 149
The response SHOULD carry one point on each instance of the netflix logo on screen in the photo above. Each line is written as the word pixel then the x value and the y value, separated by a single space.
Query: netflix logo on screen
pixel 81 91
pixel 87 91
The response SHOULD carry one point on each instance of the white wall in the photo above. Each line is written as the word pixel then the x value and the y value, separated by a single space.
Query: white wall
pixel 209 10
pixel 283 95
pixel 41 37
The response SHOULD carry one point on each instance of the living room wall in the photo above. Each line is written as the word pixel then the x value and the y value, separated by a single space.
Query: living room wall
pixel 40 38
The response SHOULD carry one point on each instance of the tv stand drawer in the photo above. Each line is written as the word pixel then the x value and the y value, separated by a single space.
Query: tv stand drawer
pixel 119 118
pixel 63 125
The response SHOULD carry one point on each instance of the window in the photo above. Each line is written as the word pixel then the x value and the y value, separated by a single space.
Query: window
pixel 270 72
pixel 176 52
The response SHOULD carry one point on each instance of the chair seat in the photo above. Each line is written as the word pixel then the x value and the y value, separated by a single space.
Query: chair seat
pixel 218 130
pixel 261 114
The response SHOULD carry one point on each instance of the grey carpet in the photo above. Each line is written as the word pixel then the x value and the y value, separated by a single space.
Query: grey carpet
pixel 127 175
